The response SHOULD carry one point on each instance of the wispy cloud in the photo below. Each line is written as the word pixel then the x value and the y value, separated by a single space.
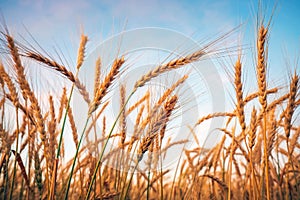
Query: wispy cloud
pixel 51 17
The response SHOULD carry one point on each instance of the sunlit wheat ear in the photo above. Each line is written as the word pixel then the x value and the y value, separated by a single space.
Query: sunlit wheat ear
pixel 97 74
pixel 10 85
pixel 257 151
pixel 261 66
pixel 154 126
pixel 61 69
pixel 252 130
pixel 104 86
pixel 25 89
pixel 28 93
pixel 51 63
pixel 81 50
pixel 262 88
pixel 294 140
pixel 291 105
pixel 73 126
pixel 217 114
pixel 239 93
pixel 123 116
pixel 144 146
pixel 168 108
pixel 82 90
pixel 63 102
pixel 163 98
pixel 52 131
pixel 174 64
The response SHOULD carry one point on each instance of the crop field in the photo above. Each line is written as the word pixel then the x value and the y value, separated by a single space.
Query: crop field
pixel 49 149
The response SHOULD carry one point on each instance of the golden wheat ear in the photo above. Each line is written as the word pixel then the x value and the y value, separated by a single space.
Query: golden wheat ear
pixel 291 105
pixel 103 87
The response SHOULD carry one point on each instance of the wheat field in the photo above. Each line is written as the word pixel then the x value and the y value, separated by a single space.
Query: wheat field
pixel 256 158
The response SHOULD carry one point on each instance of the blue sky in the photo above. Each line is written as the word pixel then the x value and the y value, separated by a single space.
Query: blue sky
pixel 50 21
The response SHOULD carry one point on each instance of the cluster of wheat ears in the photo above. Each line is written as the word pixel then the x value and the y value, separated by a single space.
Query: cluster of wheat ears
pixel 257 157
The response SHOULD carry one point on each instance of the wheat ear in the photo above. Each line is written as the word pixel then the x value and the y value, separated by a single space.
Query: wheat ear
pixel 168 108
pixel 261 66
pixel 291 105
pixel 28 93
pixel 174 64
pixel 239 93
pixel 62 69
pixel 97 75
pixel 103 87
pixel 81 51
pixel 123 116
pixel 262 88
pixel 10 85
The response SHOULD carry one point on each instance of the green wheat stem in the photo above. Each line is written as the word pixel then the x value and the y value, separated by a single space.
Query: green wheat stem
pixel 75 157
pixel 65 119
pixel 130 180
